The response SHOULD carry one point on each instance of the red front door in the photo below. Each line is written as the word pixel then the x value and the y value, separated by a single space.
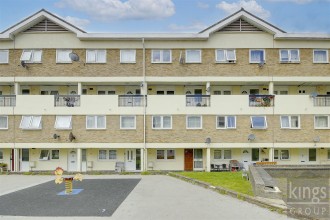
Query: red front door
pixel 188 159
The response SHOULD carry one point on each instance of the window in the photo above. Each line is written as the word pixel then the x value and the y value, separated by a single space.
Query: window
pixel 127 56
pixel 95 122
pixel 312 154
pixel 289 55
pixel 281 154
pixel 255 154
pixel 290 122
pixel 44 155
pixel 112 154
pixel 225 56
pixel 193 56
pixel 30 122
pixel 166 154
pixel 194 122
pixel 257 56
pixel 127 122
pixel 62 56
pixel 258 122
pixel 96 56
pixel 217 154
pixel 1 154
pixel 102 154
pixel 161 56
pixel 4 56
pixel 55 154
pixel 162 122
pixel 227 154
pixel 31 56
pixel 226 122
pixel 3 122
pixel 328 154
pixel 321 122
pixel 63 122
pixel 320 56
pixel 275 154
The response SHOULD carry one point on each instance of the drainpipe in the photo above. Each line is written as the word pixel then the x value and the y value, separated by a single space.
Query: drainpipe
pixel 145 90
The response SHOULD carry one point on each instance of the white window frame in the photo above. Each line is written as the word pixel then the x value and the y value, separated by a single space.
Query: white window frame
pixel 200 56
pixel 96 51
pixel 95 122
pixel 327 56
pixel 51 154
pixel 62 50
pixel 264 52
pixel 289 56
pixel 257 127
pixel 322 127
pixel 48 154
pixel 116 154
pixel 290 125
pixel 226 121
pixel 127 50
pixel 222 152
pixel 161 122
pixel 161 56
pixel 106 155
pixel 31 120
pixel 201 122
pixel 6 52
pixel 226 60
pixel 67 117
pixel 281 153
pixel 32 53
pixel 166 154
pixel 124 116
pixel 6 117
pixel 1 153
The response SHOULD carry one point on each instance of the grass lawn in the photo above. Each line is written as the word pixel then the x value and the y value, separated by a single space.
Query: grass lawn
pixel 228 180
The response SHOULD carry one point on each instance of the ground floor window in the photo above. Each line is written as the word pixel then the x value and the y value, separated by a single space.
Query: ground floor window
pixel 255 154
pixel 329 154
pixel 312 154
pixel 48 154
pixel 165 154
pixel 281 155
pixel 217 154
pixel 1 155
pixel 107 154
pixel 55 154
pixel 44 155
pixel 221 154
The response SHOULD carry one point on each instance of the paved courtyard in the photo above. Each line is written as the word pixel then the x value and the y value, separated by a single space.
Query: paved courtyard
pixel 121 197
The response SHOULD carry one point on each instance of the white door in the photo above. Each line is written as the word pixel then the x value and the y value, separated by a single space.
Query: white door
pixel 303 155
pixel 72 161
pixel 198 159
pixel 246 158
pixel 83 160
pixel 25 158
pixel 130 160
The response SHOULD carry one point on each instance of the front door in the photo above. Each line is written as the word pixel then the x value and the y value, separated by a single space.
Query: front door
pixel 83 160
pixel 188 159
pixel 130 160
pixel 303 155
pixel 72 161
pixel 25 158
pixel 246 158
pixel 198 159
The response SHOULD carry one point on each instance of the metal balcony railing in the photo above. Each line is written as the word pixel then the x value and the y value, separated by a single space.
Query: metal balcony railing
pixel 322 100
pixel 67 100
pixel 261 100
pixel 7 100
pixel 198 100
pixel 131 100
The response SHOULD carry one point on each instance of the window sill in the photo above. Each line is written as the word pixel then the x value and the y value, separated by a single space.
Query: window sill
pixel 320 62
pixel 289 62
pixel 161 62
pixel 225 62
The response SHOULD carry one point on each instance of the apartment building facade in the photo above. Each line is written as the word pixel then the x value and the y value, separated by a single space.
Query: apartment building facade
pixel 241 89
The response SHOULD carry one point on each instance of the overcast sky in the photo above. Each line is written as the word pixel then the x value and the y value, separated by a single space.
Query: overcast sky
pixel 127 16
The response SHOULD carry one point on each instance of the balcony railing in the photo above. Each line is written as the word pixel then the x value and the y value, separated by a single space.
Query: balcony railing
pixel 198 100
pixel 261 100
pixel 322 100
pixel 131 100
pixel 7 100
pixel 67 100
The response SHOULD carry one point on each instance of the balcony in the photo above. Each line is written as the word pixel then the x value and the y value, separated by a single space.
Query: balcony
pixel 67 100
pixel 7 100
pixel 322 100
pixel 131 100
pixel 261 100
pixel 198 100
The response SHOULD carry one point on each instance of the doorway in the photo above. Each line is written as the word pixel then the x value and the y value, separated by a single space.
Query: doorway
pixel 246 158
pixel 83 160
pixel 188 159
pixel 130 160
pixel 72 161
pixel 25 158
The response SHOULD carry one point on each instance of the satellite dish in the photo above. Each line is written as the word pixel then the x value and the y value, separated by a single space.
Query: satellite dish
pixel 23 64
pixel 74 57
pixel 251 137
pixel 261 64
pixel 71 137
pixel 208 140
pixel 313 94
pixel 55 136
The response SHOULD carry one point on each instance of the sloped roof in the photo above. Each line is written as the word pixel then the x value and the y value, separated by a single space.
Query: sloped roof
pixel 37 18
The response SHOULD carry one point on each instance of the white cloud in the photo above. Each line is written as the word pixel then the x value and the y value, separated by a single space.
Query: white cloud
pixel 294 1
pixel 250 5
pixel 79 22
pixel 203 5
pixel 196 26
pixel 108 10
